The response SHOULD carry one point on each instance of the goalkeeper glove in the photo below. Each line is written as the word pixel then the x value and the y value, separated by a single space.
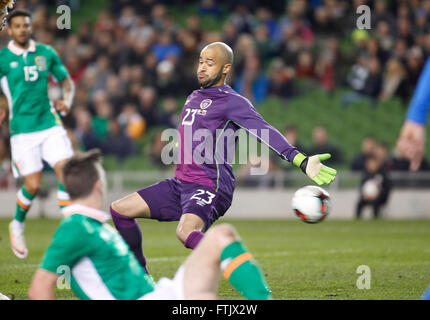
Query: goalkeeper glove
pixel 314 169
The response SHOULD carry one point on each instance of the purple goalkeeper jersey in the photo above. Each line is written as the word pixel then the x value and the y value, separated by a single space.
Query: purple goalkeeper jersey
pixel 210 120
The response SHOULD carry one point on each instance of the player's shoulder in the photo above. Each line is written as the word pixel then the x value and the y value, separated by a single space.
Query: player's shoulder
pixel 237 98
pixel 76 224
pixel 45 48
pixel 4 53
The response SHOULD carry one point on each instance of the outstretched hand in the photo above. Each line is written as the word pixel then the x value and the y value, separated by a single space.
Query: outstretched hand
pixel 318 172
pixel 314 169
pixel 411 143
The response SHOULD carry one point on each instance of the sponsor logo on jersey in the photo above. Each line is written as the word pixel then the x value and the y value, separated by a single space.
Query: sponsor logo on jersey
pixel 41 62
pixel 205 104
pixel 14 64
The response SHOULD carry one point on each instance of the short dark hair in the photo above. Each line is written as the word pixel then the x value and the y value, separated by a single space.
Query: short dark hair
pixel 17 13
pixel 80 173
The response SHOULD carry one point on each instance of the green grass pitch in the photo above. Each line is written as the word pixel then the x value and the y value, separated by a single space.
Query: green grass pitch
pixel 300 261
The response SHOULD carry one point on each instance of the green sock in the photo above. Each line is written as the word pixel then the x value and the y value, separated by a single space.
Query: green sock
pixel 62 196
pixel 243 272
pixel 23 203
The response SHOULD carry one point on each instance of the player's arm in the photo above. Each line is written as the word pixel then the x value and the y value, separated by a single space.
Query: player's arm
pixel 3 115
pixel 68 88
pixel 244 115
pixel 42 286
pixel 68 246
pixel 60 72
pixel 411 142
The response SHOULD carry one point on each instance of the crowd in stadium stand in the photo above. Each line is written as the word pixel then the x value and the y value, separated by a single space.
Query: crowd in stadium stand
pixel 133 63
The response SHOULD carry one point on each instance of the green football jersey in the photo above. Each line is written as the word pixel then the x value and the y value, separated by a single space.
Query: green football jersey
pixel 101 264
pixel 24 80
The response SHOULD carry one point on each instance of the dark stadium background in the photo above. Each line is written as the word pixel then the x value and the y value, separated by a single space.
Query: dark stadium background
pixel 304 64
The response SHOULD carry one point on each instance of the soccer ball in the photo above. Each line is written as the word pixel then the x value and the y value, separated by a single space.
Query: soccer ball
pixel 311 204
pixel 371 189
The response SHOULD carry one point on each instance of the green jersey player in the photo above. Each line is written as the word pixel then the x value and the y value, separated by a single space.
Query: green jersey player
pixel 97 263
pixel 35 127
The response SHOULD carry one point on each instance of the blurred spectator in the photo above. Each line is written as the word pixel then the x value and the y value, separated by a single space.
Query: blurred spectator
pixel 166 47
pixel 281 82
pixel 167 82
pixel 375 187
pixel 242 18
pixel 117 143
pixel 155 150
pixel 265 18
pixel 132 122
pixel 384 36
pixel 366 79
pixel 381 13
pixel 305 66
pixel 266 47
pixel 291 133
pixel 210 8
pixel 324 26
pixel 414 66
pixel 368 146
pixel 252 83
pixel 169 116
pixel 372 85
pixel 148 105
pixel 325 72
pixel 247 179
pixel 230 33
pixel 103 113
pixel 84 131
pixel 321 145
pixel 394 81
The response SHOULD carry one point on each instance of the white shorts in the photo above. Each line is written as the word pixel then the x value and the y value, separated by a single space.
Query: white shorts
pixel 29 149
pixel 168 289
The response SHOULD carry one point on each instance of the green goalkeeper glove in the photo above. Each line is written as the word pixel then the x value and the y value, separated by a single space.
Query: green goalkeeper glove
pixel 314 169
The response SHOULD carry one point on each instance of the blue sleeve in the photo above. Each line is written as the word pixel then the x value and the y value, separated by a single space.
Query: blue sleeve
pixel 426 295
pixel 242 113
pixel 420 103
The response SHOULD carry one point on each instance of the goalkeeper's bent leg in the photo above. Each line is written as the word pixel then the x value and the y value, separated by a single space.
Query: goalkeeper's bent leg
pixel 130 231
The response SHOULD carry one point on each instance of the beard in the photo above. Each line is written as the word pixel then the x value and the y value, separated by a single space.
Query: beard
pixel 210 82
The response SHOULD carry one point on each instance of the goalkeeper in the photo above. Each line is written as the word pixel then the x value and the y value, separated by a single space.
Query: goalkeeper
pixel 203 186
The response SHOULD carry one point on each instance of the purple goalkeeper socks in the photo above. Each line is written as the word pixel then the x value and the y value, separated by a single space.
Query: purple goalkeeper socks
pixel 193 239
pixel 130 232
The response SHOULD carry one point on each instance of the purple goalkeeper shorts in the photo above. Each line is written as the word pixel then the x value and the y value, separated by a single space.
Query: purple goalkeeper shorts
pixel 169 199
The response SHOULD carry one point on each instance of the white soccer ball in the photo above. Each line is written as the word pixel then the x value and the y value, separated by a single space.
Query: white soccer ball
pixel 371 189
pixel 311 204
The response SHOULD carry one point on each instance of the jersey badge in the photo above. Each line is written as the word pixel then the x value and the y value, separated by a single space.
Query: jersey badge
pixel 205 104
pixel 41 62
